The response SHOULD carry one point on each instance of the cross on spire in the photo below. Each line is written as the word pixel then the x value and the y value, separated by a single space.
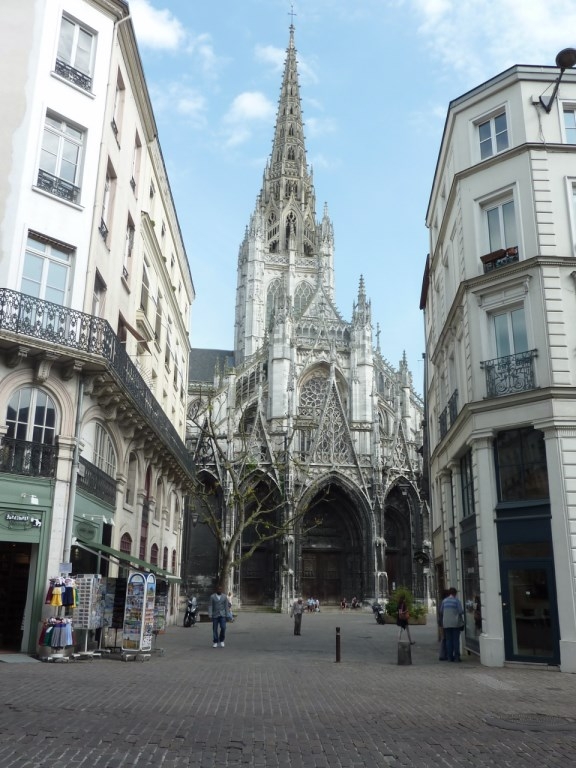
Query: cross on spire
pixel 292 14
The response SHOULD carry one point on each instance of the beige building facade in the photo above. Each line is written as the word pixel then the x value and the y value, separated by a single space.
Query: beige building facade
pixel 95 294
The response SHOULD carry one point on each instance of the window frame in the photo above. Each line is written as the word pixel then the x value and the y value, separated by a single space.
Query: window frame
pixel 67 64
pixel 48 252
pixel 57 184
pixel 103 451
pixel 508 311
pixel 35 431
pixel 568 133
pixel 490 119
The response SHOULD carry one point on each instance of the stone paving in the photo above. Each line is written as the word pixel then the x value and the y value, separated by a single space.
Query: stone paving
pixel 274 700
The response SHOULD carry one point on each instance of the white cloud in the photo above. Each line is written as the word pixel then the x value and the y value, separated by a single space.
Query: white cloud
pixel 270 54
pixel 185 101
pixel 477 40
pixel 247 108
pixel 319 126
pixel 156 28
pixel 275 57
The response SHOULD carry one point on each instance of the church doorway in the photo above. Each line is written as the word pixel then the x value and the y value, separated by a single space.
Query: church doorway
pixel 331 565
pixel 259 575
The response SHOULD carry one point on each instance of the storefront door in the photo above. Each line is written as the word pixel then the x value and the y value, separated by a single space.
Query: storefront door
pixel 14 573
pixel 529 611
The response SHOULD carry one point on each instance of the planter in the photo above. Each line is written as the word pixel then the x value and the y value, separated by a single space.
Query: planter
pixel 420 621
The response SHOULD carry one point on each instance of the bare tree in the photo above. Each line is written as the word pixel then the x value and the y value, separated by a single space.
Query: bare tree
pixel 243 481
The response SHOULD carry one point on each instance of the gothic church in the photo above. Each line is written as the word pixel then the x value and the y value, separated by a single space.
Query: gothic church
pixel 306 385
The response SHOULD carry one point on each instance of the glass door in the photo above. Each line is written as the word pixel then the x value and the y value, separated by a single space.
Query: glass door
pixel 530 619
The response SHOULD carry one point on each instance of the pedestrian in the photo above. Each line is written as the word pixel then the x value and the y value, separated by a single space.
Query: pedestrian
pixel 402 619
pixel 441 636
pixel 452 621
pixel 296 611
pixel 217 611
pixel 343 604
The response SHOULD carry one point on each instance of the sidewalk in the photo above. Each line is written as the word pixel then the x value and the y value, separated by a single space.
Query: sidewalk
pixel 274 700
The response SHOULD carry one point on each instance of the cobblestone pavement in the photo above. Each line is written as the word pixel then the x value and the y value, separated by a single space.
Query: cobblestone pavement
pixel 274 700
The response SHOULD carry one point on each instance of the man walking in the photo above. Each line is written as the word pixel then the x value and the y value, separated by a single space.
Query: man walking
pixel 297 610
pixel 217 610
pixel 451 620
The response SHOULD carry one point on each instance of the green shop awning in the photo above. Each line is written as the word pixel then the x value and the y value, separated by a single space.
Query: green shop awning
pixel 126 557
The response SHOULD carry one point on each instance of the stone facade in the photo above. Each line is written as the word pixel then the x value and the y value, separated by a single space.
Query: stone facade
pixel 331 425
pixel 500 316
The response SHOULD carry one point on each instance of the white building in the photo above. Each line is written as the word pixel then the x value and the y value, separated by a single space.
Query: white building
pixel 95 293
pixel 500 319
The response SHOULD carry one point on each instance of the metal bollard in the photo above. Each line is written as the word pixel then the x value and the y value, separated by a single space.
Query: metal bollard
pixel 337 644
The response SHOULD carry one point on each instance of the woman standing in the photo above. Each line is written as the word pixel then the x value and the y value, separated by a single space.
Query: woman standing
pixel 402 620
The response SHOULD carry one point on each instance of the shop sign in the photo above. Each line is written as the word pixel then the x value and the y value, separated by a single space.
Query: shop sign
pixel 85 531
pixel 19 520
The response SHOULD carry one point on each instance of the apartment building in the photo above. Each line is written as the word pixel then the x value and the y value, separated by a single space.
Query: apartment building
pixel 500 319
pixel 95 294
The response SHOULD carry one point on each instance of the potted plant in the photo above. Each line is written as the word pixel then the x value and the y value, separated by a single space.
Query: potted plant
pixel 418 612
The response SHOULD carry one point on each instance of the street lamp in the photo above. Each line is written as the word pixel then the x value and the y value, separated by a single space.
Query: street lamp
pixel 566 59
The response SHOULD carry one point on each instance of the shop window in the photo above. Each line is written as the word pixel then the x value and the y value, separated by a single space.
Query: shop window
pixel 521 465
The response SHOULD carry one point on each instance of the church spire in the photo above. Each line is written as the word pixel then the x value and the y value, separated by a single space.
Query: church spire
pixel 287 177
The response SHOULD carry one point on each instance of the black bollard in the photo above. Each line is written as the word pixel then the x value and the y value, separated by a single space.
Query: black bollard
pixel 337 644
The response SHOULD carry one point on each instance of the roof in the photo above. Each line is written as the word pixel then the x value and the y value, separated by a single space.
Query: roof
pixel 203 363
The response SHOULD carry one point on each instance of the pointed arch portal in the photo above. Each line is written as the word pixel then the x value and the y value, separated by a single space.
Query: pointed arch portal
pixel 332 551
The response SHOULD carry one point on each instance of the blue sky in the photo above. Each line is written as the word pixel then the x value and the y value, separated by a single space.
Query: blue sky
pixel 376 77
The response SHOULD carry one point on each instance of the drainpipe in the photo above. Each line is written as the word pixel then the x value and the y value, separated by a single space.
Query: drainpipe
pixel 73 476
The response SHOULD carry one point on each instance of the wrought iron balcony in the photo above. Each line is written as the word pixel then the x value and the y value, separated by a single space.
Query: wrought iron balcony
pixel 74 75
pixel 103 229
pixel 510 374
pixel 58 187
pixel 21 457
pixel 93 480
pixel 34 318
pixel 449 414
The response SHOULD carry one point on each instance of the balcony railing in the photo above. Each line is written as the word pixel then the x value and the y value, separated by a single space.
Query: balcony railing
pixel 93 480
pixel 58 187
pixel 500 258
pixel 20 457
pixel 31 317
pixel 449 414
pixel 510 374
pixel 74 75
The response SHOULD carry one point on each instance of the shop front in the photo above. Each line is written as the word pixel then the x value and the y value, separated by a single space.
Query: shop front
pixel 24 540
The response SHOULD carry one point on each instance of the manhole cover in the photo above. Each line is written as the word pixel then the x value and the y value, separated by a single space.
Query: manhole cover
pixel 531 721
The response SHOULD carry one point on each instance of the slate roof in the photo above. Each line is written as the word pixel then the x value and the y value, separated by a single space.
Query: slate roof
pixel 202 363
